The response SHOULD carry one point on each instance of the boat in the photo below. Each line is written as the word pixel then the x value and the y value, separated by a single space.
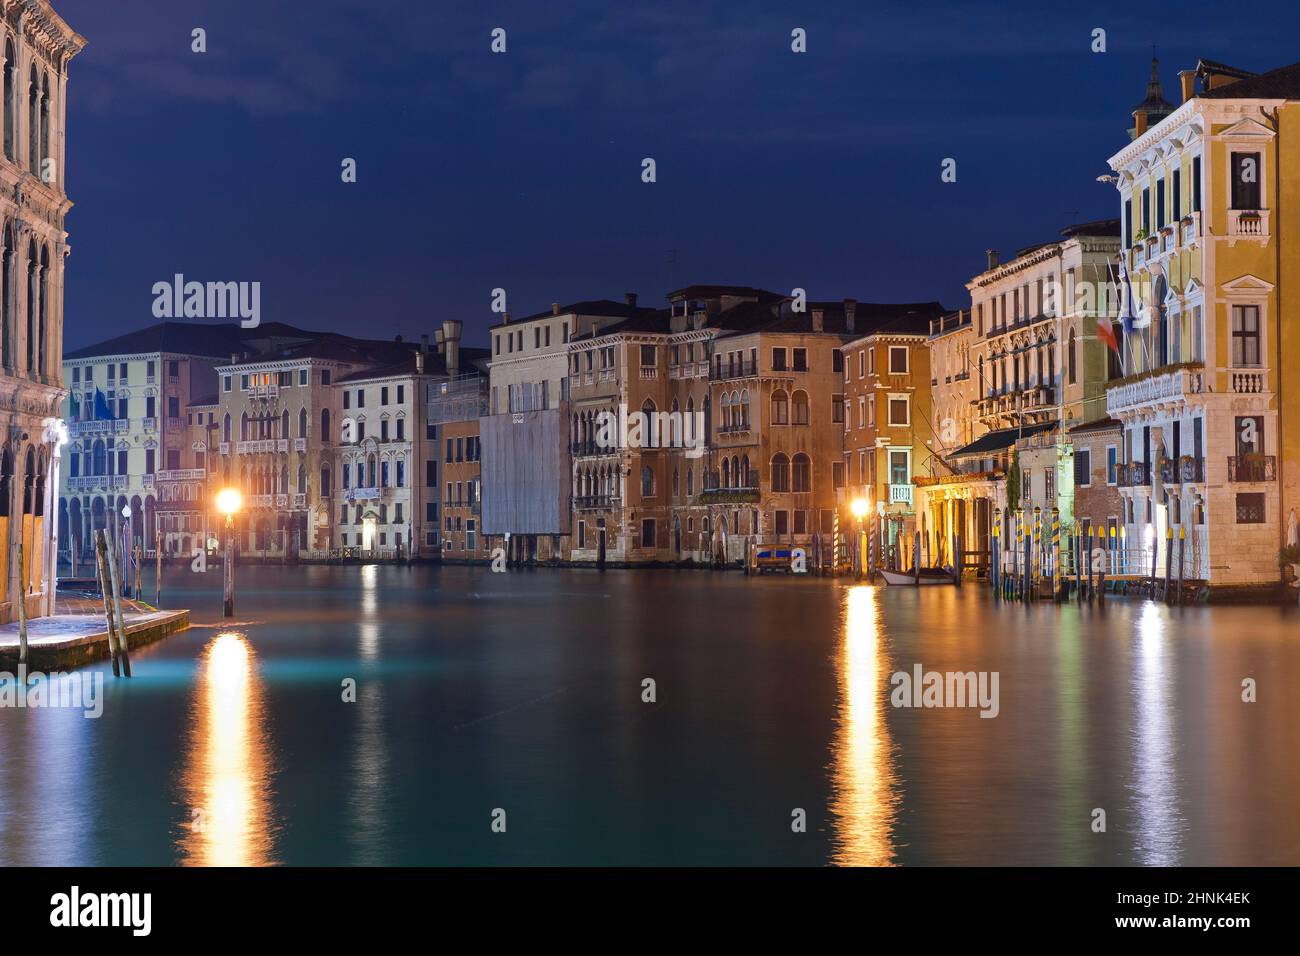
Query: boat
pixel 910 579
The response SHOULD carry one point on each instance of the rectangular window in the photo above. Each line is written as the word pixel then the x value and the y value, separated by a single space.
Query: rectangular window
pixel 778 360
pixel 837 408
pixel 225 383
pixel 1245 336
pixel 1245 181
pixel 899 410
pixel 801 360
pixel 243 382
pixel 1082 467
pixel 1112 464
pixel 837 360
pixel 1250 508
pixel 325 376
pixel 648 356
pixel 1178 194
pixel 1196 184
pixel 1160 203
pixel 781 523
pixel 647 532
pixel 899 470
pixel 801 522
pixel 383 395
pixel 898 360
pixel 837 474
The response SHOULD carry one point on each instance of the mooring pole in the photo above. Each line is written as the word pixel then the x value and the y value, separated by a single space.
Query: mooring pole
pixel 22 606
pixel 1182 554
pixel 106 592
pixel 157 577
pixel 122 647
pixel 228 607
pixel 1169 560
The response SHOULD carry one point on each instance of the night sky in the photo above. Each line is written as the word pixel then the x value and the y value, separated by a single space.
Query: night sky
pixel 522 170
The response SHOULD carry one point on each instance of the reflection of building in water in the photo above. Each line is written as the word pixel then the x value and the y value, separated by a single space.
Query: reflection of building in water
pixel 865 804
pixel 227 778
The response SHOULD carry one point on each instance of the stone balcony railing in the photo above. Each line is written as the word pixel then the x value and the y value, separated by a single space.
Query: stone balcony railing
pixel 262 446
pixel 1252 468
pixel 183 474
pixel 900 494
pixel 1248 381
pixel 1154 387
pixel 1248 224
pixel 99 427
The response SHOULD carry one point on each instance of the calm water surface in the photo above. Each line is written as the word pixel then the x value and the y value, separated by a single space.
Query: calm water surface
pixel 522 691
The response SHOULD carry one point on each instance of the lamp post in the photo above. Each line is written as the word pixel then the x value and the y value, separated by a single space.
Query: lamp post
pixel 128 544
pixel 859 509
pixel 229 500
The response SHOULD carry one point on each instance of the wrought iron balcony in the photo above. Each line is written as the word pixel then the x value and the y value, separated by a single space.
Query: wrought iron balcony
pixel 1252 468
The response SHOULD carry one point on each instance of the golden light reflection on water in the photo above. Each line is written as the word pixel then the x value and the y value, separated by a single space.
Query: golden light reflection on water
pixel 1159 822
pixel 865 802
pixel 226 782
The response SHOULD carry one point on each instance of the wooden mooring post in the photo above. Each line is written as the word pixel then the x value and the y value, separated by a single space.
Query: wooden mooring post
pixel 123 647
pixel 106 592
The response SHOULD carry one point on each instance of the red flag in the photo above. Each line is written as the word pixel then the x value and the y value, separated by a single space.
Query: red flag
pixel 1106 333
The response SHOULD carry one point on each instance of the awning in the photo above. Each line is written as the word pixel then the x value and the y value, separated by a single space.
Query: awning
pixel 999 440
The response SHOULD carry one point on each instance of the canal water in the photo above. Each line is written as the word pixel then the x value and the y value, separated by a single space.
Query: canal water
pixel 523 692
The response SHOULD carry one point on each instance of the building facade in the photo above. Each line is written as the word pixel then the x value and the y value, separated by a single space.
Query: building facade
pixel 1207 192
pixel 37 46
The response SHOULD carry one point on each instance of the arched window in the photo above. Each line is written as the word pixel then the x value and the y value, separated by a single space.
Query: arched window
pixel 690 481
pixel 98 458
pixel 802 473
pixel 780 408
pixel 647 482
pixel 370 471
pixel 243 426
pixel 45 123
pixel 10 66
pixel 6 305
pixel 284 479
pixel 800 403
pixel 726 472
pixel 745 481
pixel 302 422
pixel 33 123
pixel 324 424
pixel 780 472
pixel 677 488
pixel 726 412
pixel 744 409
pixel 225 428
pixel 29 476
pixel 6 482
pixel 1069 358
pixel 649 425
pixel 325 481
pixel 284 424
pixel 33 265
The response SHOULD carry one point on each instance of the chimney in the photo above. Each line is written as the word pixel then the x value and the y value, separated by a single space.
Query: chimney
pixel 234 358
pixel 424 343
pixel 1139 123
pixel 555 308
pixel 505 319
pixel 993 258
pixel 442 345
pixel 850 315
pixel 1188 80
pixel 630 298
pixel 419 363
pixel 818 320
pixel 451 338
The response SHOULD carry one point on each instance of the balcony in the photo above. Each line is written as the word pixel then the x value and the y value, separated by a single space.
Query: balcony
pixel 900 494
pixel 362 494
pixel 223 448
pixel 1186 468
pixel 300 444
pixel 649 372
pixel 1252 468
pixel 1248 381
pixel 1174 385
pixel 745 368
pixel 583 449
pixel 1133 474
pixel 262 446
pixel 592 502
pixel 175 424
pixel 149 424
pixel 99 427
pixel 1250 224
pixel 183 474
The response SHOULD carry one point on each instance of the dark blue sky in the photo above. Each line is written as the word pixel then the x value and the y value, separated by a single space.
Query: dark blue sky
pixel 522 170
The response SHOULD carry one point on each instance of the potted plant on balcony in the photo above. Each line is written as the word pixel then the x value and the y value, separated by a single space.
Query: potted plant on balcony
pixel 1287 558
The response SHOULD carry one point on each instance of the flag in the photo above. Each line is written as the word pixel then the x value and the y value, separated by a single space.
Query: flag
pixel 1106 333
pixel 102 411
pixel 1127 297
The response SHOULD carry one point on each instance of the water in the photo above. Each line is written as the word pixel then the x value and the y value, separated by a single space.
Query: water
pixel 523 691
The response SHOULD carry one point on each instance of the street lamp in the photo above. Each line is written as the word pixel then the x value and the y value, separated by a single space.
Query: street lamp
pixel 859 507
pixel 229 500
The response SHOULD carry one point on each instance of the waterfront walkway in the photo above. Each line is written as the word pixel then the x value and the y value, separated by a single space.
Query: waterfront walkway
pixel 77 634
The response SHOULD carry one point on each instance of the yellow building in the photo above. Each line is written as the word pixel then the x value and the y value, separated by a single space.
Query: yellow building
pixel 1210 448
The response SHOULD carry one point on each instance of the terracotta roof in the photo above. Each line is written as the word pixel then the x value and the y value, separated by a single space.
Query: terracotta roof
pixel 1280 84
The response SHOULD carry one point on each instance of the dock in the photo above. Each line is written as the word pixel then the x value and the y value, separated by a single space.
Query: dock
pixel 77 633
